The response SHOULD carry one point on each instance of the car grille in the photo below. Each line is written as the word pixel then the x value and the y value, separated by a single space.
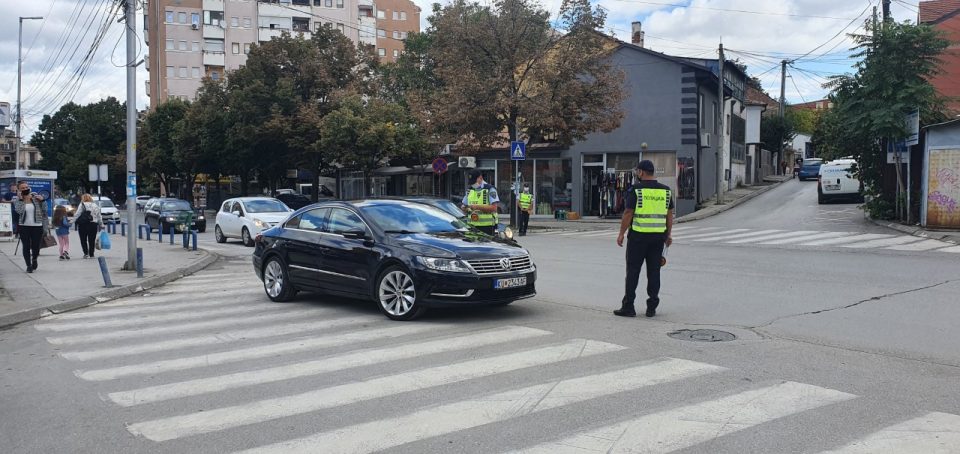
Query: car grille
pixel 495 266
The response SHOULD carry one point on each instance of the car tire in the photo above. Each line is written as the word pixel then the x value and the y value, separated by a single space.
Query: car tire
pixel 276 281
pixel 218 234
pixel 247 240
pixel 821 199
pixel 396 295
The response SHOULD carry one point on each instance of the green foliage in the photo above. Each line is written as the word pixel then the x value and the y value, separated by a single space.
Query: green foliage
pixel 76 136
pixel 804 120
pixel 776 132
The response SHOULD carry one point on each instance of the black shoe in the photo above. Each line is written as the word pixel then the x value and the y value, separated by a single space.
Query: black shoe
pixel 34 263
pixel 625 311
pixel 29 270
pixel 651 312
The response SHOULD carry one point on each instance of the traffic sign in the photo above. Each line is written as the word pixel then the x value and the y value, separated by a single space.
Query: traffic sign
pixel 518 151
pixel 439 166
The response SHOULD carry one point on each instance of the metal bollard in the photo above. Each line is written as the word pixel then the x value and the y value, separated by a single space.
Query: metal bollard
pixel 173 230
pixel 105 272
pixel 112 228
pixel 123 229
pixel 141 228
pixel 139 262
pixel 194 232
pixel 185 239
pixel 160 234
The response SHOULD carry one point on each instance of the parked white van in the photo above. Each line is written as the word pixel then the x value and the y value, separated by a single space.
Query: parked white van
pixel 837 181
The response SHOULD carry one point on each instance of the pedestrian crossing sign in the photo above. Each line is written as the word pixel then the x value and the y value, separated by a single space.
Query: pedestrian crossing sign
pixel 518 151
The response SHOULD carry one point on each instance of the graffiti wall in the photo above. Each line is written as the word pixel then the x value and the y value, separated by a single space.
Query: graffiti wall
pixel 943 189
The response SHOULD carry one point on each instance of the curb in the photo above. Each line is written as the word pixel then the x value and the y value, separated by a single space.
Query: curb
pixel 698 215
pixel 916 231
pixel 9 320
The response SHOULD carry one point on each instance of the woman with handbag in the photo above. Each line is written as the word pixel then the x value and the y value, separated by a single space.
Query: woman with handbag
pixel 33 222
pixel 88 222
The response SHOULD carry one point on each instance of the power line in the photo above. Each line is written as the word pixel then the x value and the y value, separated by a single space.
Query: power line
pixel 733 10
pixel 794 82
pixel 869 4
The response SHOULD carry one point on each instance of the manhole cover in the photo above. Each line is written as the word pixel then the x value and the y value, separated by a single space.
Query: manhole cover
pixel 702 335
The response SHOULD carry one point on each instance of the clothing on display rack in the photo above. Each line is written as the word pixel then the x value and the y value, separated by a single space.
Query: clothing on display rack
pixel 613 191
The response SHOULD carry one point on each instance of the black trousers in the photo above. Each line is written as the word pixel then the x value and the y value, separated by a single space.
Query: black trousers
pixel 524 221
pixel 88 237
pixel 30 236
pixel 488 229
pixel 642 248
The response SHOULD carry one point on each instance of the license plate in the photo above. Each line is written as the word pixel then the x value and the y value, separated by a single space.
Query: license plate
pixel 512 282
pixel 832 187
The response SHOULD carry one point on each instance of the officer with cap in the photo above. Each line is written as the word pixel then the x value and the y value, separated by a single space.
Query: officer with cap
pixel 649 217
pixel 525 209
pixel 480 203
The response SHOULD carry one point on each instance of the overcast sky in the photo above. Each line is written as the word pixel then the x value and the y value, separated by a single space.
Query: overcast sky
pixel 757 32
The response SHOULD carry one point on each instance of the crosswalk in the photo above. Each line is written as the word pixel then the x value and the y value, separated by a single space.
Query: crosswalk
pixel 778 237
pixel 180 369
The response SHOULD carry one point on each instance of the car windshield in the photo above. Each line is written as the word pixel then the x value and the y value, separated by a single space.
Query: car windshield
pixel 812 162
pixel 105 203
pixel 175 205
pixel 412 218
pixel 448 206
pixel 265 206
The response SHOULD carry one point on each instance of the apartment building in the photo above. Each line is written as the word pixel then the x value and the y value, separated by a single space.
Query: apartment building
pixel 188 40
pixel 395 19
pixel 944 15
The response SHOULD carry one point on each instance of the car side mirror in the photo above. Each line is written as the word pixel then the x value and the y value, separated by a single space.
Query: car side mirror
pixel 355 235
pixel 237 214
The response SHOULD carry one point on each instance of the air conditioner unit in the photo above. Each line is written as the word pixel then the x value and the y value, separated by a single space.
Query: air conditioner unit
pixel 467 162
pixel 195 26
pixel 705 139
pixel 447 150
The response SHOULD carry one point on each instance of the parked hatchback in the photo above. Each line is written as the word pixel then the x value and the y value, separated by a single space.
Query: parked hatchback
pixel 108 210
pixel 246 217
pixel 810 169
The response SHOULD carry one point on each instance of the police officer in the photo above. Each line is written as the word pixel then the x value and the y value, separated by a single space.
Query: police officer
pixel 480 203
pixel 649 216
pixel 525 206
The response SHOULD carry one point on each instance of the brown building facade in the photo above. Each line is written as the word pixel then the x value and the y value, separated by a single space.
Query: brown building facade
pixel 944 15
pixel 395 19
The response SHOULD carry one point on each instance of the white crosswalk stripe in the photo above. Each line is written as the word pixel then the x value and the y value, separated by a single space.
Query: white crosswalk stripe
pixel 933 433
pixel 149 318
pixel 690 425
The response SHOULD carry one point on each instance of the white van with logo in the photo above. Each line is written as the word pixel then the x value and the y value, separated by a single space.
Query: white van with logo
pixel 837 181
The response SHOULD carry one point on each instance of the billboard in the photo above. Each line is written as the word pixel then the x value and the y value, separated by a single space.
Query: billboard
pixel 6 117
pixel 943 188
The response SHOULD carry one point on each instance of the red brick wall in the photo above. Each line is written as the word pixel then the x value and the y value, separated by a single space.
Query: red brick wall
pixel 948 81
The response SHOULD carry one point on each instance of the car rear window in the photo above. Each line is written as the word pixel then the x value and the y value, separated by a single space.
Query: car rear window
pixel 812 162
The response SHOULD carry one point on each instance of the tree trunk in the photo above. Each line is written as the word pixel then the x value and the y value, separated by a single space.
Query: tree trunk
pixel 244 183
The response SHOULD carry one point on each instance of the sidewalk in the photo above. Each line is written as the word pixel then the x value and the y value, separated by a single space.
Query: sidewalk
pixel 731 199
pixel 950 236
pixel 59 286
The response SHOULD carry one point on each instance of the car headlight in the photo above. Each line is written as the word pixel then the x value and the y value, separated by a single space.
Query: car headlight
pixel 200 218
pixel 171 219
pixel 260 224
pixel 440 264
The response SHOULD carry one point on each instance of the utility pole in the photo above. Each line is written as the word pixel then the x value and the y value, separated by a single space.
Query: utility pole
pixel 19 77
pixel 130 10
pixel 720 135
pixel 886 10
pixel 783 102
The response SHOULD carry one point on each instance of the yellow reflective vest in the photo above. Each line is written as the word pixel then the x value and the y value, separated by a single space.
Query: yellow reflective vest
pixel 650 215
pixel 525 201
pixel 477 218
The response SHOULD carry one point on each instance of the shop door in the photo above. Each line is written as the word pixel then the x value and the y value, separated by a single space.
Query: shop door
pixel 592 182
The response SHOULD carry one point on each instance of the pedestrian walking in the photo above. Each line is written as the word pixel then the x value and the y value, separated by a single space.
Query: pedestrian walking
pixel 481 204
pixel 33 223
pixel 62 224
pixel 648 214
pixel 525 207
pixel 89 222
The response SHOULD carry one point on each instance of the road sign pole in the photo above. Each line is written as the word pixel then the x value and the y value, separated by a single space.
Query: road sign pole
pixel 131 174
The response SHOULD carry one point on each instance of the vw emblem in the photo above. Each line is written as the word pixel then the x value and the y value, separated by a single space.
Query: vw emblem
pixel 505 264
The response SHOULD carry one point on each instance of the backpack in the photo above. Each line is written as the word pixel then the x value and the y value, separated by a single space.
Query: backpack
pixel 84 217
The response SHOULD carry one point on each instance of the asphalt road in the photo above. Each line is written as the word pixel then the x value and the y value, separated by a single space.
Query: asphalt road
pixel 208 364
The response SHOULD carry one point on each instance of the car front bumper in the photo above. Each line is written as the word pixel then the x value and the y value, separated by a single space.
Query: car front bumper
pixel 448 289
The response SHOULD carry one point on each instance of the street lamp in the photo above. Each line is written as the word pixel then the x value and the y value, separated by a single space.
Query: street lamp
pixel 20 76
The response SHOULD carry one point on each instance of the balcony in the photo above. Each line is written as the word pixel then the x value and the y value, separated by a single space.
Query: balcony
pixel 147 83
pixel 213 32
pixel 213 58
pixel 213 5
pixel 365 4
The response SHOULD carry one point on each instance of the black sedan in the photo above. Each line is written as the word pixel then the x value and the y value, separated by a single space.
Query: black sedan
pixel 163 213
pixel 405 256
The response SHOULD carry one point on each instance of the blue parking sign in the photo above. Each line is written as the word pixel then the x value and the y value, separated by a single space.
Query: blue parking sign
pixel 518 151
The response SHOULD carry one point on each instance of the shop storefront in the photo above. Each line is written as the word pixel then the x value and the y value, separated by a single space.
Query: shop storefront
pixel 606 178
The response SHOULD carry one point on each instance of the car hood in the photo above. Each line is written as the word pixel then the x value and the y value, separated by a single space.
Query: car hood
pixel 271 218
pixel 176 212
pixel 464 245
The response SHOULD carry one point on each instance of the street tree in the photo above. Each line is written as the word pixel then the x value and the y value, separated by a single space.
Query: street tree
pixel 777 132
pixel 366 133
pixel 157 142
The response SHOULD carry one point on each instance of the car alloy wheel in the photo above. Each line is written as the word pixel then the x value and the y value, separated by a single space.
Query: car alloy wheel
pixel 275 281
pixel 219 235
pixel 397 295
pixel 247 241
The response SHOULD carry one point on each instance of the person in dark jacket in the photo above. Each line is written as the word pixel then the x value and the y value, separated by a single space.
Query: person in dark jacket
pixel 33 223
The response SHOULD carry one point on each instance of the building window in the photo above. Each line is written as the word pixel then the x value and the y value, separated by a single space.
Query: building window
pixel 183 46
pixel 340 28
pixel 396 53
pixel 234 21
pixel 212 17
pixel 246 22
pixel 396 34
pixel 301 2
pixel 169 17
pixel 182 18
pixel 195 72
pixel 246 48
pixel 236 48
pixel 170 45
pixel 381 14
pixel 403 15
pixel 301 24
pixel 170 72
pixel 195 19
pixel 382 52
pixel 328 3
pixel 196 46
pixel 381 33
pixel 183 72
pixel 317 25
pixel 213 45
pixel 403 35
pixel 215 75
pixel 339 3
pixel 396 15
pixel 702 112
